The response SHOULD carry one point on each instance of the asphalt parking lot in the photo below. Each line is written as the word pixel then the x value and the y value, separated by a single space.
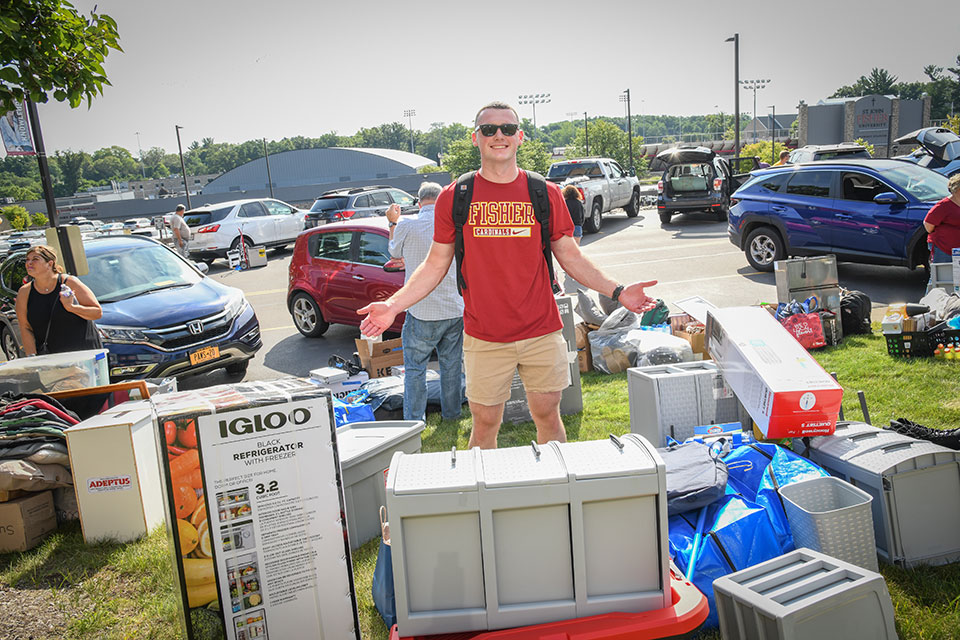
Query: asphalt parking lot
pixel 689 256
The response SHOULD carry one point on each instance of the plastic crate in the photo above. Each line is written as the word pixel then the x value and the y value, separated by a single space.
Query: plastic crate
pixel 801 595
pixel 832 516
pixel 910 344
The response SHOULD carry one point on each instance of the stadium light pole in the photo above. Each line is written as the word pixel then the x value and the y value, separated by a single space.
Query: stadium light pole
pixel 143 171
pixel 736 92
pixel 753 85
pixel 533 100
pixel 625 97
pixel 409 113
pixel 773 134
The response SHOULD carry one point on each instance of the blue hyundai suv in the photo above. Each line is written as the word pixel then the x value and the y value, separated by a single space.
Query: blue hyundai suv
pixel 864 210
pixel 161 315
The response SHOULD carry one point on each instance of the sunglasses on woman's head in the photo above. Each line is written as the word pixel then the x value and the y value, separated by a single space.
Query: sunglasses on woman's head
pixel 490 130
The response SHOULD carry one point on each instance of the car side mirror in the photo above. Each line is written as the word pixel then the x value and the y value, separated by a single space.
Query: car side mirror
pixel 202 267
pixel 887 197
pixel 393 265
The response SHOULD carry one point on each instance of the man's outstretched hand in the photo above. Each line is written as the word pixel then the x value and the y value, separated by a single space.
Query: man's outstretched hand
pixel 380 316
pixel 635 299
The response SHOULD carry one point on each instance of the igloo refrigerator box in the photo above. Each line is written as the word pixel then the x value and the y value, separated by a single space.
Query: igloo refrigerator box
pixel 527 535
pixel 254 503
pixel 785 391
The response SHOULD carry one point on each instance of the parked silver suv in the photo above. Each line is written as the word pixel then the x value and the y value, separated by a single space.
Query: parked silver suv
pixel 359 202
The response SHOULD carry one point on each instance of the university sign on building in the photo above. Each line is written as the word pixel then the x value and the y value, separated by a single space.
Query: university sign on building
pixel 871 119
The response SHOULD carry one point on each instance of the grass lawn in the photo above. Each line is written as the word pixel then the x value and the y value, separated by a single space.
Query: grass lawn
pixel 65 589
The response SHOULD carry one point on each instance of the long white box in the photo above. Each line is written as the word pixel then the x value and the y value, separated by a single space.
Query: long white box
pixel 365 451
pixel 115 461
pixel 338 381
pixel 785 391
pixel 526 535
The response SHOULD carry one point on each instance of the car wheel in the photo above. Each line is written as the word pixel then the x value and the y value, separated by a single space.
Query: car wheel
pixel 307 317
pixel 208 261
pixel 763 248
pixel 235 245
pixel 665 216
pixel 8 342
pixel 633 207
pixel 595 219
pixel 237 369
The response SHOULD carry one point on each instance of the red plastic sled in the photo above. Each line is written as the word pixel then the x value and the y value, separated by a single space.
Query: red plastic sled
pixel 687 613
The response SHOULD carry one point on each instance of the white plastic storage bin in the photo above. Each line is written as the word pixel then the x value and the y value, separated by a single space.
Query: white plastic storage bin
pixel 671 400
pixel 527 535
pixel 832 516
pixel 804 595
pixel 915 486
pixel 365 450
pixel 55 372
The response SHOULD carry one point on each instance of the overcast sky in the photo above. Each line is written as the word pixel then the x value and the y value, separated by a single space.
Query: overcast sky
pixel 236 70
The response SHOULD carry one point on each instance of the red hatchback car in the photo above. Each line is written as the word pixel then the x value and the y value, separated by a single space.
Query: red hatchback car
pixel 339 268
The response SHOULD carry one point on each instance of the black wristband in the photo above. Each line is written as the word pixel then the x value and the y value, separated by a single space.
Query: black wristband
pixel 616 293
pixel 393 224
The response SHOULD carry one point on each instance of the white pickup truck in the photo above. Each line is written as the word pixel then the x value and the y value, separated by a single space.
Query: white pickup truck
pixel 604 184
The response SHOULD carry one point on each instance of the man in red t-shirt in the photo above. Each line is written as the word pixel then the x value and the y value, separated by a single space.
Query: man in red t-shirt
pixel 942 223
pixel 511 322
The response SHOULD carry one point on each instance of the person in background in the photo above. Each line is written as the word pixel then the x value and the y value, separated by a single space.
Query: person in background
pixel 436 322
pixel 511 321
pixel 574 200
pixel 55 311
pixel 942 223
pixel 784 157
pixel 181 232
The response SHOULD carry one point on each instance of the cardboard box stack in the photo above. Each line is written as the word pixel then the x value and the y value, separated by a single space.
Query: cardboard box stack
pixel 378 356
pixel 26 520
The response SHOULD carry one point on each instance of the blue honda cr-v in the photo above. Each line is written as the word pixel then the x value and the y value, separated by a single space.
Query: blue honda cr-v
pixel 161 316
pixel 868 211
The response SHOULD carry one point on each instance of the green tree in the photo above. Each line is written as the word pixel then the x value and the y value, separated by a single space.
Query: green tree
pixel 17 216
pixel 47 46
pixel 609 141
pixel 533 156
pixel 761 150
pixel 461 156
pixel 72 165
pixel 866 145
pixel 39 220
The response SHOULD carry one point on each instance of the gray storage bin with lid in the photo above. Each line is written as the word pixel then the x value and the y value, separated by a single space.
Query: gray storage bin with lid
pixel 527 535
pixel 365 450
pixel 801 595
pixel 915 486
pixel 671 400
pixel 618 507
pixel 434 507
pixel 832 516
pixel 525 520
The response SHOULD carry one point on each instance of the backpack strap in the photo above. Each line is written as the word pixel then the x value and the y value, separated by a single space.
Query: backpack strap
pixel 462 197
pixel 537 185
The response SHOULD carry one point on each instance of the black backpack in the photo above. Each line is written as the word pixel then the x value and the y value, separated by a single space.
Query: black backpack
pixel 855 312
pixel 463 196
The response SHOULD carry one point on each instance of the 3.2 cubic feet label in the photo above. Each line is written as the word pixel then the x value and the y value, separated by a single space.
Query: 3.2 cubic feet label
pixel 109 483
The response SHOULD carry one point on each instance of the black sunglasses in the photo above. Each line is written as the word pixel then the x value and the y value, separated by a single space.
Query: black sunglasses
pixel 490 130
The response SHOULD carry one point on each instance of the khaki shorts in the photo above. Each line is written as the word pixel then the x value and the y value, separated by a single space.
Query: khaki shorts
pixel 489 366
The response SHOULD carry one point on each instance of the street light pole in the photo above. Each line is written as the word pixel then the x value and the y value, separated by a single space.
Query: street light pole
pixel 625 97
pixel 439 127
pixel 586 134
pixel 534 99
pixel 736 92
pixel 143 171
pixel 409 113
pixel 183 167
pixel 266 158
pixel 773 134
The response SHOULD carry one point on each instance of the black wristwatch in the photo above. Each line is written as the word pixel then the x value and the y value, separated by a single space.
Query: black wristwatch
pixel 616 293
pixel 393 224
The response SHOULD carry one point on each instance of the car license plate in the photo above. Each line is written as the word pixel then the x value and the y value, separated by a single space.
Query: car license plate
pixel 205 354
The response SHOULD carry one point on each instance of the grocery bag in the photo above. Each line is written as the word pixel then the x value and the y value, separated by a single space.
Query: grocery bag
pixel 382 588
pixel 806 328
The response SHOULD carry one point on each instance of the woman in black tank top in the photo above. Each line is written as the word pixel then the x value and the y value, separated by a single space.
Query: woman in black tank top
pixel 51 322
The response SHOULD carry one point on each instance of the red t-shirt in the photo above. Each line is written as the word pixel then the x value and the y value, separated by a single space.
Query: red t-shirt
pixel 508 296
pixel 945 216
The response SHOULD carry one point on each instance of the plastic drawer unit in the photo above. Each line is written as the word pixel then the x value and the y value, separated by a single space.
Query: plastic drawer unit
pixel 801 595
pixel 915 487
pixel 365 450
pixel 527 535
pixel 670 400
